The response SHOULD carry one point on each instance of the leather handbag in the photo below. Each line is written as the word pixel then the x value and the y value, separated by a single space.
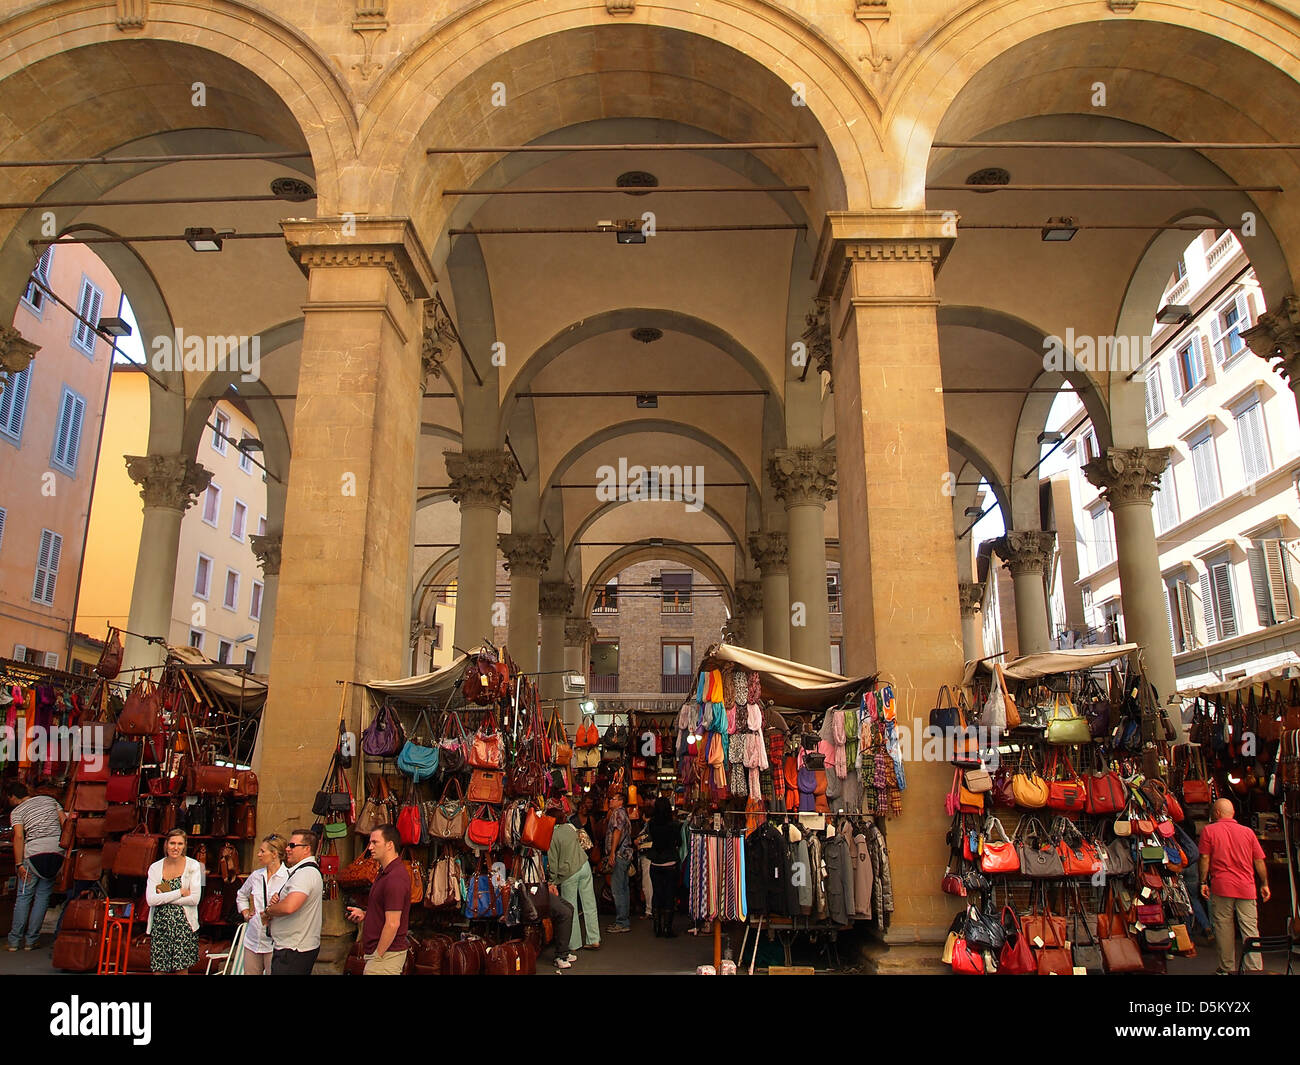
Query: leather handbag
pixel 110 658
pixel 1028 787
pixel 450 818
pixel 1068 793
pixel 487 751
pixel 1064 725
pixel 1079 856
pixel 978 780
pixel 537 830
pixel 417 761
pixel 512 958
pixel 76 952
pixel 588 735
pixel 443 887
pixel 945 715
pixel 484 828
pixel 142 713
pixel 453 746
pixel 960 799
pixel 486 680
pixel 410 821
pixel 1196 784
pixel 1043 929
pixel 100 772
pixel 1106 793
pixel 85 913
pixel 138 851
pixel 1117 858
pixel 998 856
pixel 90 798
pixel 431 957
pixel 1039 858
pixel 965 960
pixel 68 833
pixel 561 752
pixel 484 899
pixel 89 864
pixel 466 958
pixel 212 780
pixel 124 756
pixel 486 786
pixel 359 874
pixel 382 738
pixel 122 788
pixel 376 810
pixel 121 817
pixel 983 931
pixel 1016 957
pixel 90 829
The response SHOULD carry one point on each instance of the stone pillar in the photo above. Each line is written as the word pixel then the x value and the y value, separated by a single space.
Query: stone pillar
pixel 804 480
pixel 749 608
pixel 1127 477
pixel 555 600
pixel 1276 339
pixel 527 555
pixel 169 485
pixel 346 553
pixel 770 553
pixel 267 549
pixel 1028 554
pixel 897 566
pixel 481 482
pixel 972 601
pixel 578 634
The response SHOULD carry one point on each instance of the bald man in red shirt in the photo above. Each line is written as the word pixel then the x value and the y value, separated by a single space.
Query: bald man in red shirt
pixel 1231 862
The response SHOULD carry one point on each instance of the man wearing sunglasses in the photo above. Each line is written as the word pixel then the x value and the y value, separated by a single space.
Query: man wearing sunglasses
pixel 294 915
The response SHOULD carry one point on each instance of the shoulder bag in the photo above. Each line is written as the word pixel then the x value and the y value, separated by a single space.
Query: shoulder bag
pixel 484 828
pixel 1069 792
pixel 1039 859
pixel 1064 725
pixel 382 738
pixel 1028 788
pixel 998 856
pixel 561 752
pixel 449 817
pixel 142 714
pixel 416 760
pixel 1016 957
pixel 487 750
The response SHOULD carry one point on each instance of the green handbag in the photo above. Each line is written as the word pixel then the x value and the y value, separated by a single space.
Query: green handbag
pixel 336 829
pixel 1064 726
pixel 1152 853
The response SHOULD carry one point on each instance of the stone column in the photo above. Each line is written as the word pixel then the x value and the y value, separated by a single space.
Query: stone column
pixel 346 550
pixel 972 601
pixel 527 555
pixel 771 555
pixel 804 480
pixel 1276 339
pixel 555 600
pixel 1127 477
pixel 267 549
pixel 481 482
pixel 169 485
pixel 1028 554
pixel 897 566
pixel 749 608
pixel 578 634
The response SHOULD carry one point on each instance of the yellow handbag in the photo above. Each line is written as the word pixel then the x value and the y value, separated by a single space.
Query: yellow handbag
pixel 1028 788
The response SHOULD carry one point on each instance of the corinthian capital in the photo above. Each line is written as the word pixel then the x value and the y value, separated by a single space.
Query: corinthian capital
pixel 749 597
pixel 1128 474
pixel 267 550
pixel 802 475
pixel 1026 550
pixel 578 632
pixel 770 552
pixel 16 351
pixel 972 598
pixel 526 553
pixel 172 481
pixel 1276 338
pixel 555 597
pixel 481 478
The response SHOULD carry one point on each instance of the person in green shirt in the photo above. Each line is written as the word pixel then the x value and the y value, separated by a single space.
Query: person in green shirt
pixel 568 869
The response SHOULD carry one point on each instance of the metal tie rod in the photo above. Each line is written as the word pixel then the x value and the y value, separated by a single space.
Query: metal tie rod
pixel 710 146
pixel 1104 188
pixel 1286 146
pixel 594 231
pixel 95 160
pixel 557 190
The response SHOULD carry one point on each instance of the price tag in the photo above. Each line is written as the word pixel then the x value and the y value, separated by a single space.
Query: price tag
pixel 1038 942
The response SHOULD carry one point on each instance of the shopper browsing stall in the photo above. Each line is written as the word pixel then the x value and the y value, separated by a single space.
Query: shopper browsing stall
pixel 1231 862
pixel 252 899
pixel 37 821
pixel 294 915
pixel 387 912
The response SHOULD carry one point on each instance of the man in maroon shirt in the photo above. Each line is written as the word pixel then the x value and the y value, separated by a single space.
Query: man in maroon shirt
pixel 388 910
pixel 1231 861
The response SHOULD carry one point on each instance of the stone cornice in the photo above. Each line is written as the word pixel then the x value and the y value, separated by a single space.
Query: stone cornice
pixel 171 481
pixel 749 597
pixel 481 478
pixel 803 475
pixel 555 597
pixel 527 554
pixel 578 632
pixel 1276 338
pixel 1026 550
pixel 881 237
pixel 321 243
pixel 16 351
pixel 1128 474
pixel 972 598
pixel 770 552
pixel 267 550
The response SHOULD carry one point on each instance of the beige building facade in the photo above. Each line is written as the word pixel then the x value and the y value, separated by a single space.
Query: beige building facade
pixel 835 339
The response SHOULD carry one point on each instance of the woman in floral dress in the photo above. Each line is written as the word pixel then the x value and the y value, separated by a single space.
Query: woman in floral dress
pixel 172 892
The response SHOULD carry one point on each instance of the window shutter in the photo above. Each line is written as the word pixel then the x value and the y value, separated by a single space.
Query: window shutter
pixel 96 304
pixel 61 427
pixel 13 402
pixel 1250 437
pixel 1276 567
pixel 1169 617
pixel 1176 374
pixel 1223 601
pixel 1243 312
pixel 1216 337
pixel 20 653
pixel 1198 353
pixel 2 526
pixel 74 432
pixel 1207 610
pixel 1260 585
pixel 51 660
pixel 42 563
pixel 1185 613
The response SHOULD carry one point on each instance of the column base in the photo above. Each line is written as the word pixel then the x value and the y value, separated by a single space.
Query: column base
pixel 909 958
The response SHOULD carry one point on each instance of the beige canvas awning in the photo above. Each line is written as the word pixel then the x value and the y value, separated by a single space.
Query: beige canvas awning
pixel 1286 671
pixel 233 685
pixel 788 684
pixel 1045 663
pixel 427 687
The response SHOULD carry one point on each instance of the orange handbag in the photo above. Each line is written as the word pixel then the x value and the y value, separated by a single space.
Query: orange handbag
pixel 998 856
pixel 537 830
pixel 486 785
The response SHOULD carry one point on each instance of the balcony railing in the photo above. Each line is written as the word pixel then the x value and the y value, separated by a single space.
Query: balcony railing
pixel 836 603
pixel 604 683
pixel 1179 291
pixel 676 605
pixel 675 683
pixel 1220 249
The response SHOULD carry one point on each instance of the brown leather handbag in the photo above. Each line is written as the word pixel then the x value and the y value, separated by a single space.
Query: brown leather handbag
pixel 121 817
pixel 213 780
pixel 142 714
pixel 486 785
pixel 90 798
pixel 360 874
pixel 110 659
pixel 514 958
pixel 88 864
pixel 85 913
pixel 449 817
pixel 139 850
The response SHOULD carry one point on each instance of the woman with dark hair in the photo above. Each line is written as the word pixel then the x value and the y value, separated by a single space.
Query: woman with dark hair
pixel 665 838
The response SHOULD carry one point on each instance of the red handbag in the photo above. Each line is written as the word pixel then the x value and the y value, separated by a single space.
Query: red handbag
pixel 410 822
pixel 484 828
pixel 1106 793
pixel 142 714
pixel 1079 860
pixel 537 830
pixel 998 856
pixel 123 787
pixel 98 775
pixel 121 817
pixel 1071 794
pixel 1017 956
pixel 965 961
pixel 138 851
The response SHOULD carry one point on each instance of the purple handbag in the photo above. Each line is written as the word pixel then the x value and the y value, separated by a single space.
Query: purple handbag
pixel 383 737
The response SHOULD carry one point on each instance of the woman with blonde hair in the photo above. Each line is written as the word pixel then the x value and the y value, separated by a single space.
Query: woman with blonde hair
pixel 172 891
pixel 262 885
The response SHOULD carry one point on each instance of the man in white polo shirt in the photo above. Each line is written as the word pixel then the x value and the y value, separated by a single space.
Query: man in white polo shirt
pixel 294 915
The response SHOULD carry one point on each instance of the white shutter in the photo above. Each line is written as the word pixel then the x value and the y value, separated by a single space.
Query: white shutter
pixel 1251 439
pixel 1259 585
pixel 1276 568
pixel 1155 400
pixel 42 564
pixel 1176 374
pixel 1243 315
pixel 1169 617
pixel 2 526
pixel 1224 608
pixel 62 426
pixel 20 653
pixel 13 403
pixel 51 660
pixel 1185 614
pixel 1198 353
pixel 1216 337
pixel 96 305
pixel 1207 610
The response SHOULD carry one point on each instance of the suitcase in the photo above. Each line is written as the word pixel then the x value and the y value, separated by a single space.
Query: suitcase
pixel 513 958
pixel 431 957
pixel 139 955
pixel 82 914
pixel 76 952
pixel 466 958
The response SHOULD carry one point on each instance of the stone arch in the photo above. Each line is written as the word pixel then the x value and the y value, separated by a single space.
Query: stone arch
pixel 494 37
pixel 963 447
pixel 575 541
pixel 630 555
pixel 440 567
pixel 249 36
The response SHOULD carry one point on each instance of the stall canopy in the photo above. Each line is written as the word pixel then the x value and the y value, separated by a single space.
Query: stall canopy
pixel 789 684
pixel 427 687
pixel 237 687
pixel 1286 671
pixel 1046 663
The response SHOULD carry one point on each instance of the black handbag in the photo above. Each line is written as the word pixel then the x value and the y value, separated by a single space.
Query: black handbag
pixel 983 931
pixel 1084 948
pixel 124 756
pixel 198 818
